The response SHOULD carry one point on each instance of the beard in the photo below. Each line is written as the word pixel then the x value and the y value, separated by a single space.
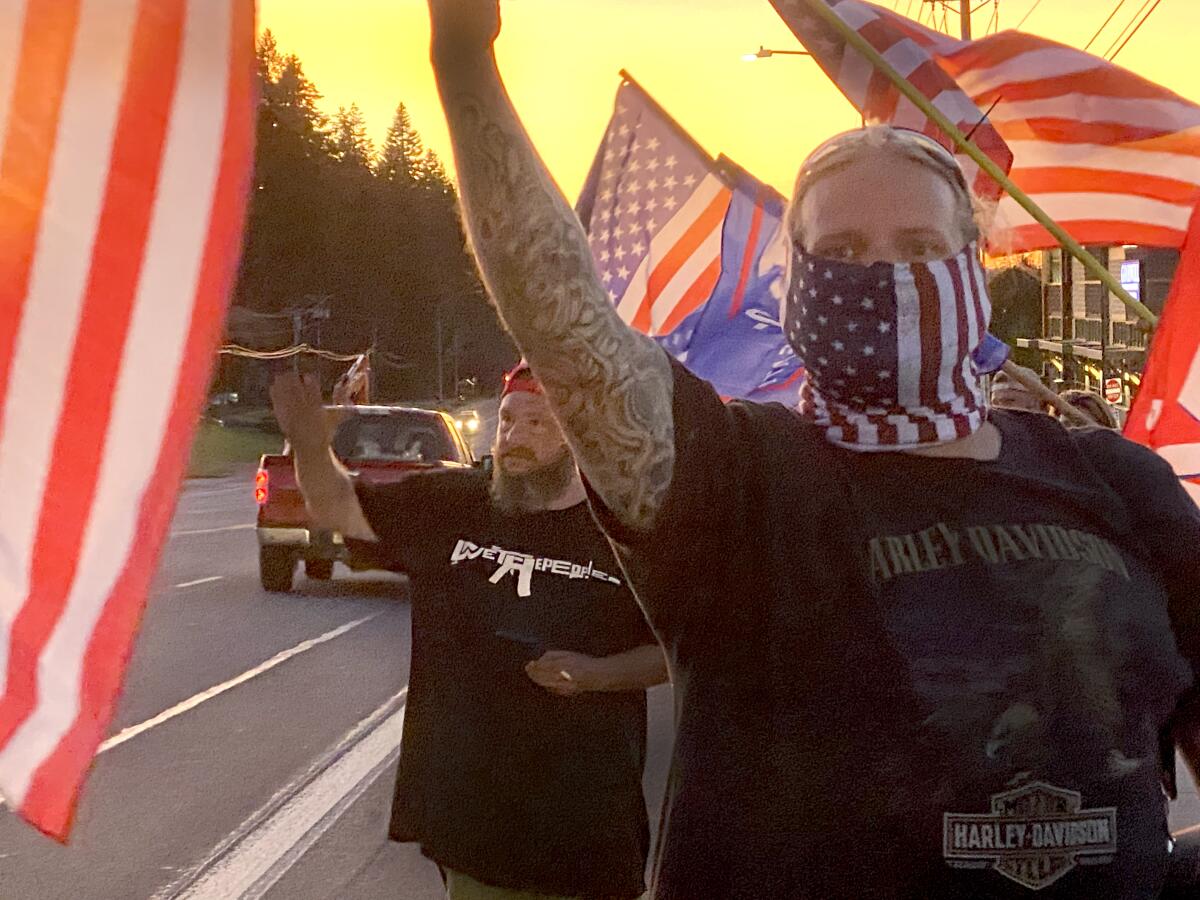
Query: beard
pixel 532 491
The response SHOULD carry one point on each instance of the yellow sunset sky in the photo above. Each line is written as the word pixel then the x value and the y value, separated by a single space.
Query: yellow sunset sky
pixel 560 60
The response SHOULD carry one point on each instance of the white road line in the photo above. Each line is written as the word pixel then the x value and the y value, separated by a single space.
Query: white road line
pixel 213 530
pixel 247 489
pixel 208 580
pixel 192 702
pixel 251 859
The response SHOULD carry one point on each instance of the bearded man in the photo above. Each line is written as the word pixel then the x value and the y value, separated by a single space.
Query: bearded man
pixel 525 730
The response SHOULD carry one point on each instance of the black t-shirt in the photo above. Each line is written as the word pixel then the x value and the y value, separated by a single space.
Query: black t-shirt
pixel 499 778
pixel 900 676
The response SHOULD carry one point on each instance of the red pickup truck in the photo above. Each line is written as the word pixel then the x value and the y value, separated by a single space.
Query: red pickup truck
pixel 379 444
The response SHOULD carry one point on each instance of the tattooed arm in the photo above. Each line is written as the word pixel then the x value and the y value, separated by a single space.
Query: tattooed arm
pixel 610 386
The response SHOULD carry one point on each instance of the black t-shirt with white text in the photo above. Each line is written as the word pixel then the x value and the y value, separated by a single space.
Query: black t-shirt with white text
pixel 903 676
pixel 498 778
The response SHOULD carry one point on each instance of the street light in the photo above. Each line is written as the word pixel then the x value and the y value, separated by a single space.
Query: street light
pixel 764 53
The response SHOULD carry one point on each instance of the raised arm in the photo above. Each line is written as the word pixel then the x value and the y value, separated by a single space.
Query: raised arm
pixel 327 488
pixel 609 386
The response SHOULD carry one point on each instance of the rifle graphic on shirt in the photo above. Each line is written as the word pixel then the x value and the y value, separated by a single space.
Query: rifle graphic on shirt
pixel 523 565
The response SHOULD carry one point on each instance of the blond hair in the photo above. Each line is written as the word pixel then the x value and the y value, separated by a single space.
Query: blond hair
pixel 842 150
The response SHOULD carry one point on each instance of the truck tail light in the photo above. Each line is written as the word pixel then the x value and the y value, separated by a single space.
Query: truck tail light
pixel 262 483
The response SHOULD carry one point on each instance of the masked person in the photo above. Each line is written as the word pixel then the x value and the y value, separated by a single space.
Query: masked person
pixel 525 730
pixel 920 648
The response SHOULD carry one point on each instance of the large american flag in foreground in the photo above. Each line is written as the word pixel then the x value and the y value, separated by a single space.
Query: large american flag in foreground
pixel 125 149
pixel 691 250
pixel 1110 156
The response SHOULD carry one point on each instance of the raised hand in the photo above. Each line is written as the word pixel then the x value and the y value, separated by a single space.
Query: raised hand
pixel 300 411
pixel 464 26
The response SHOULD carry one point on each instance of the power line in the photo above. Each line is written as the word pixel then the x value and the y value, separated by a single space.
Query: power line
pixel 1100 30
pixel 1036 4
pixel 286 353
pixel 1124 30
pixel 1135 30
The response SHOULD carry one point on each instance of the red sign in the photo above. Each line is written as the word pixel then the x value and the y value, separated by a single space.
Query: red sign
pixel 1112 390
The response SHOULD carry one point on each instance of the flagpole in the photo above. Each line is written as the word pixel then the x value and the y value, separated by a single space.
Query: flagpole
pixel 1072 246
pixel 666 117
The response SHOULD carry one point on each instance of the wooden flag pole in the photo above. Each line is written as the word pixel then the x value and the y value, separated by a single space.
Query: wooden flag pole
pixel 1072 246
pixel 1034 385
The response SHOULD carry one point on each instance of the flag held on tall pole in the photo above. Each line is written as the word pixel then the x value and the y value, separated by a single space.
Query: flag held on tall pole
pixel 1110 156
pixel 909 49
pixel 691 250
pixel 126 131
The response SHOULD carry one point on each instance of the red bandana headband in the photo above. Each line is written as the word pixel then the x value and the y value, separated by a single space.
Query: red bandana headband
pixel 521 378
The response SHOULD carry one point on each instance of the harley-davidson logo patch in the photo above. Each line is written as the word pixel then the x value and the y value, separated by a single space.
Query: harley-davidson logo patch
pixel 1034 835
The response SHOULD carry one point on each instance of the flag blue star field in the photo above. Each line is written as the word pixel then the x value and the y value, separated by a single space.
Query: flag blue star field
pixel 691 250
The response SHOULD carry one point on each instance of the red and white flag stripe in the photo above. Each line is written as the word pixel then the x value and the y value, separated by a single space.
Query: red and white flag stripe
pixel 1166 411
pixel 1114 158
pixel 911 50
pixel 684 263
pixel 126 130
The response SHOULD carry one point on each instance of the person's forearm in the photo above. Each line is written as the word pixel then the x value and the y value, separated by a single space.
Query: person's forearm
pixel 328 492
pixel 634 670
pixel 610 387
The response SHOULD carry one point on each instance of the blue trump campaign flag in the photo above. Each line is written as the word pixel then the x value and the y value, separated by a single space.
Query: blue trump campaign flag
pixel 690 250
pixel 737 341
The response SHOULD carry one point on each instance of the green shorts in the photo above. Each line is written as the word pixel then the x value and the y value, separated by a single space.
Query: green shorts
pixel 464 887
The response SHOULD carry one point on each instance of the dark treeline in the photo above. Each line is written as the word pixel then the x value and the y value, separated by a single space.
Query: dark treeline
pixel 369 234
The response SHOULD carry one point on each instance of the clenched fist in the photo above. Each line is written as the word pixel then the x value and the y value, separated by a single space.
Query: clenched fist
pixel 463 26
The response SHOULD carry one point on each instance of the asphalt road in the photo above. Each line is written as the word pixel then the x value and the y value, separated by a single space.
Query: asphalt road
pixel 254 747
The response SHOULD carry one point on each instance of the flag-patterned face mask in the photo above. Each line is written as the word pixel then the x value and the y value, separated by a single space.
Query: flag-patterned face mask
pixel 888 348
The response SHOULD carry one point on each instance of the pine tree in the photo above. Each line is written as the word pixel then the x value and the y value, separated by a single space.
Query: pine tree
pixel 292 98
pixel 432 175
pixel 270 60
pixel 383 240
pixel 401 156
pixel 349 143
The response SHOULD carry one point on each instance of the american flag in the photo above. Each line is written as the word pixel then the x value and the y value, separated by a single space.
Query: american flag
pixel 654 206
pixel 689 249
pixel 1110 156
pixel 898 361
pixel 910 50
pixel 126 130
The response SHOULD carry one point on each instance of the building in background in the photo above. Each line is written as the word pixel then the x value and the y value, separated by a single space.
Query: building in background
pixel 1087 337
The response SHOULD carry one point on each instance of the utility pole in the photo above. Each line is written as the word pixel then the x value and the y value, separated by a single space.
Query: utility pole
pixel 964 15
pixel 438 341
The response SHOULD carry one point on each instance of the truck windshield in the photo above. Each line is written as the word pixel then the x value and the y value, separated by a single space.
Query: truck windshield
pixel 421 439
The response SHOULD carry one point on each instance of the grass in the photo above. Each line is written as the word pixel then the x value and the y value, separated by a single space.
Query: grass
pixel 218 450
